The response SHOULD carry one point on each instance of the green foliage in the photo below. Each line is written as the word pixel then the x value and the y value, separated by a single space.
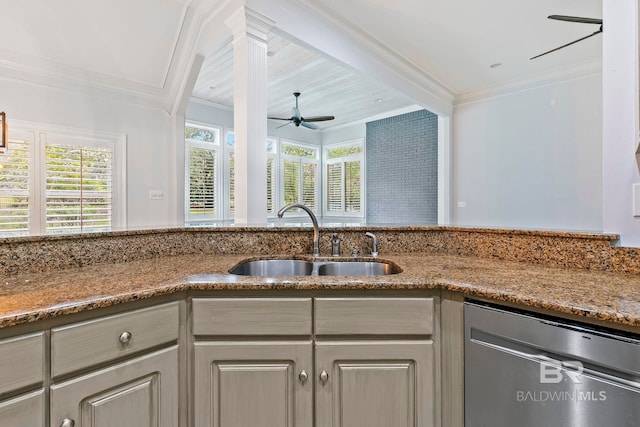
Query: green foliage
pixel 200 134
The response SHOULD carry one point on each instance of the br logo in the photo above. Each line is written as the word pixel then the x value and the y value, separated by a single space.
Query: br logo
pixel 553 371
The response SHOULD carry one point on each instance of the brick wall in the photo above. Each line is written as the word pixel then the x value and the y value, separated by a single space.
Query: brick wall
pixel 402 169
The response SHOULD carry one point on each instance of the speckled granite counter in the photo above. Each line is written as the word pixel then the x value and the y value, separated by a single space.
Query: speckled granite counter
pixel 607 296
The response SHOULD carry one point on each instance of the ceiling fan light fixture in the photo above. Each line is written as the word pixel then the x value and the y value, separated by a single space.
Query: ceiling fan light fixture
pixel 297 119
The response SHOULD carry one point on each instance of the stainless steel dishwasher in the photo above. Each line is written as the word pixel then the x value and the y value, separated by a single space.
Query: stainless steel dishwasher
pixel 526 370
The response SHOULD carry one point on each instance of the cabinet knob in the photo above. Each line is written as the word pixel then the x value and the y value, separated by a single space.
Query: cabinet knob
pixel 124 338
pixel 68 422
pixel 324 376
pixel 303 376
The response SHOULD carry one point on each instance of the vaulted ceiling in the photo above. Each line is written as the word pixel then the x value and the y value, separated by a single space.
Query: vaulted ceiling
pixel 327 87
pixel 139 46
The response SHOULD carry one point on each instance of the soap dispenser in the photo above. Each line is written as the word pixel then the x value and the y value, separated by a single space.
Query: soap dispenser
pixel 335 244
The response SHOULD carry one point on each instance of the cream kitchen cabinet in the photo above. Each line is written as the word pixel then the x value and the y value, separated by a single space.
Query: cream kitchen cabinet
pixel 370 360
pixel 248 384
pixel 248 370
pixel 141 392
pixel 120 370
pixel 22 368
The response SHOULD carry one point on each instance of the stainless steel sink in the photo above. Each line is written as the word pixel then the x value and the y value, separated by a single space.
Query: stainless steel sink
pixel 357 268
pixel 294 267
pixel 274 267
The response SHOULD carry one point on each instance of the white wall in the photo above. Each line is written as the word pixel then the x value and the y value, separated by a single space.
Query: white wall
pixel 531 159
pixel 345 133
pixel 620 112
pixel 147 131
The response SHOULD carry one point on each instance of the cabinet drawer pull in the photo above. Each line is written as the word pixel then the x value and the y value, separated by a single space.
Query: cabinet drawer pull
pixel 125 337
pixel 303 376
pixel 68 422
pixel 324 376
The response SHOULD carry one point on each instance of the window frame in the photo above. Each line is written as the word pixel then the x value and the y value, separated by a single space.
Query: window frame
pixel 218 148
pixel 38 135
pixel 302 160
pixel 343 159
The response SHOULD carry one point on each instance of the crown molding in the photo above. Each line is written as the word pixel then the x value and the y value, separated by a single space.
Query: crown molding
pixel 553 77
pixel 38 71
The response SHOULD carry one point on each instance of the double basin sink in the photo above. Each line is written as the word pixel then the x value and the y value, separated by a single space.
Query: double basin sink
pixel 296 267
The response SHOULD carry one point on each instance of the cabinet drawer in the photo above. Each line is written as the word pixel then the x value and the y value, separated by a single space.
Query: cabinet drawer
pixel 22 361
pixel 89 343
pixel 252 316
pixel 374 316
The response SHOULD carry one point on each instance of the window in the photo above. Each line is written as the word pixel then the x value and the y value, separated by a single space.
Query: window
pixel 271 172
pixel 203 169
pixel 343 183
pixel 58 181
pixel 78 188
pixel 272 191
pixel 300 174
pixel 230 140
pixel 15 172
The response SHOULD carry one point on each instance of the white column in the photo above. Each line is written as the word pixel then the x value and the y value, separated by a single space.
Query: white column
pixel 250 31
pixel 620 118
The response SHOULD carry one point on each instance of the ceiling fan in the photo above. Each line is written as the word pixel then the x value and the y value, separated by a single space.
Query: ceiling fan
pixel 297 119
pixel 573 19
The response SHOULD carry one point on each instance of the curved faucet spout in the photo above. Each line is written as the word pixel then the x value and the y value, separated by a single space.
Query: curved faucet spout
pixel 314 220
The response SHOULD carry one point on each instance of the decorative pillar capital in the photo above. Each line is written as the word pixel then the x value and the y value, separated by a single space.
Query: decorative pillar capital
pixel 246 21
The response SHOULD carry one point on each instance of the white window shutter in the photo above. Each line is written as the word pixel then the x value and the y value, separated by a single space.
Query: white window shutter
pixel 14 189
pixel 78 188
pixel 202 183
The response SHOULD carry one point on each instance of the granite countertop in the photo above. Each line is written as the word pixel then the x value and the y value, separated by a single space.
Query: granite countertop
pixel 611 297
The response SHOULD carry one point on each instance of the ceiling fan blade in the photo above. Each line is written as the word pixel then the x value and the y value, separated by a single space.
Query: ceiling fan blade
pixel 576 19
pixel 278 118
pixel 308 125
pixel 286 124
pixel 568 44
pixel 295 112
pixel 318 118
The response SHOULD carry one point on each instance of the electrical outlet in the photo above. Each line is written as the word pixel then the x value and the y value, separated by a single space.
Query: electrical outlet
pixel 462 204
pixel 156 195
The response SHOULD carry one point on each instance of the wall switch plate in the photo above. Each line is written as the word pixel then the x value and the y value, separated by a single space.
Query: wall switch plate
pixel 156 195
pixel 462 204
pixel 636 199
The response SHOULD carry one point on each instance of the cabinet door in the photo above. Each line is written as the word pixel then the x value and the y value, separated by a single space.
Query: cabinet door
pixel 142 392
pixel 375 384
pixel 251 384
pixel 25 410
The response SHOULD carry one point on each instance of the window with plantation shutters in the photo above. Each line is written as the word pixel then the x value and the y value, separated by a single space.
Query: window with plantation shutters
pixel 230 174
pixel 343 183
pixel 78 188
pixel 271 184
pixel 14 189
pixel 272 178
pixel 300 183
pixel 203 159
pixel 55 180
pixel 202 182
